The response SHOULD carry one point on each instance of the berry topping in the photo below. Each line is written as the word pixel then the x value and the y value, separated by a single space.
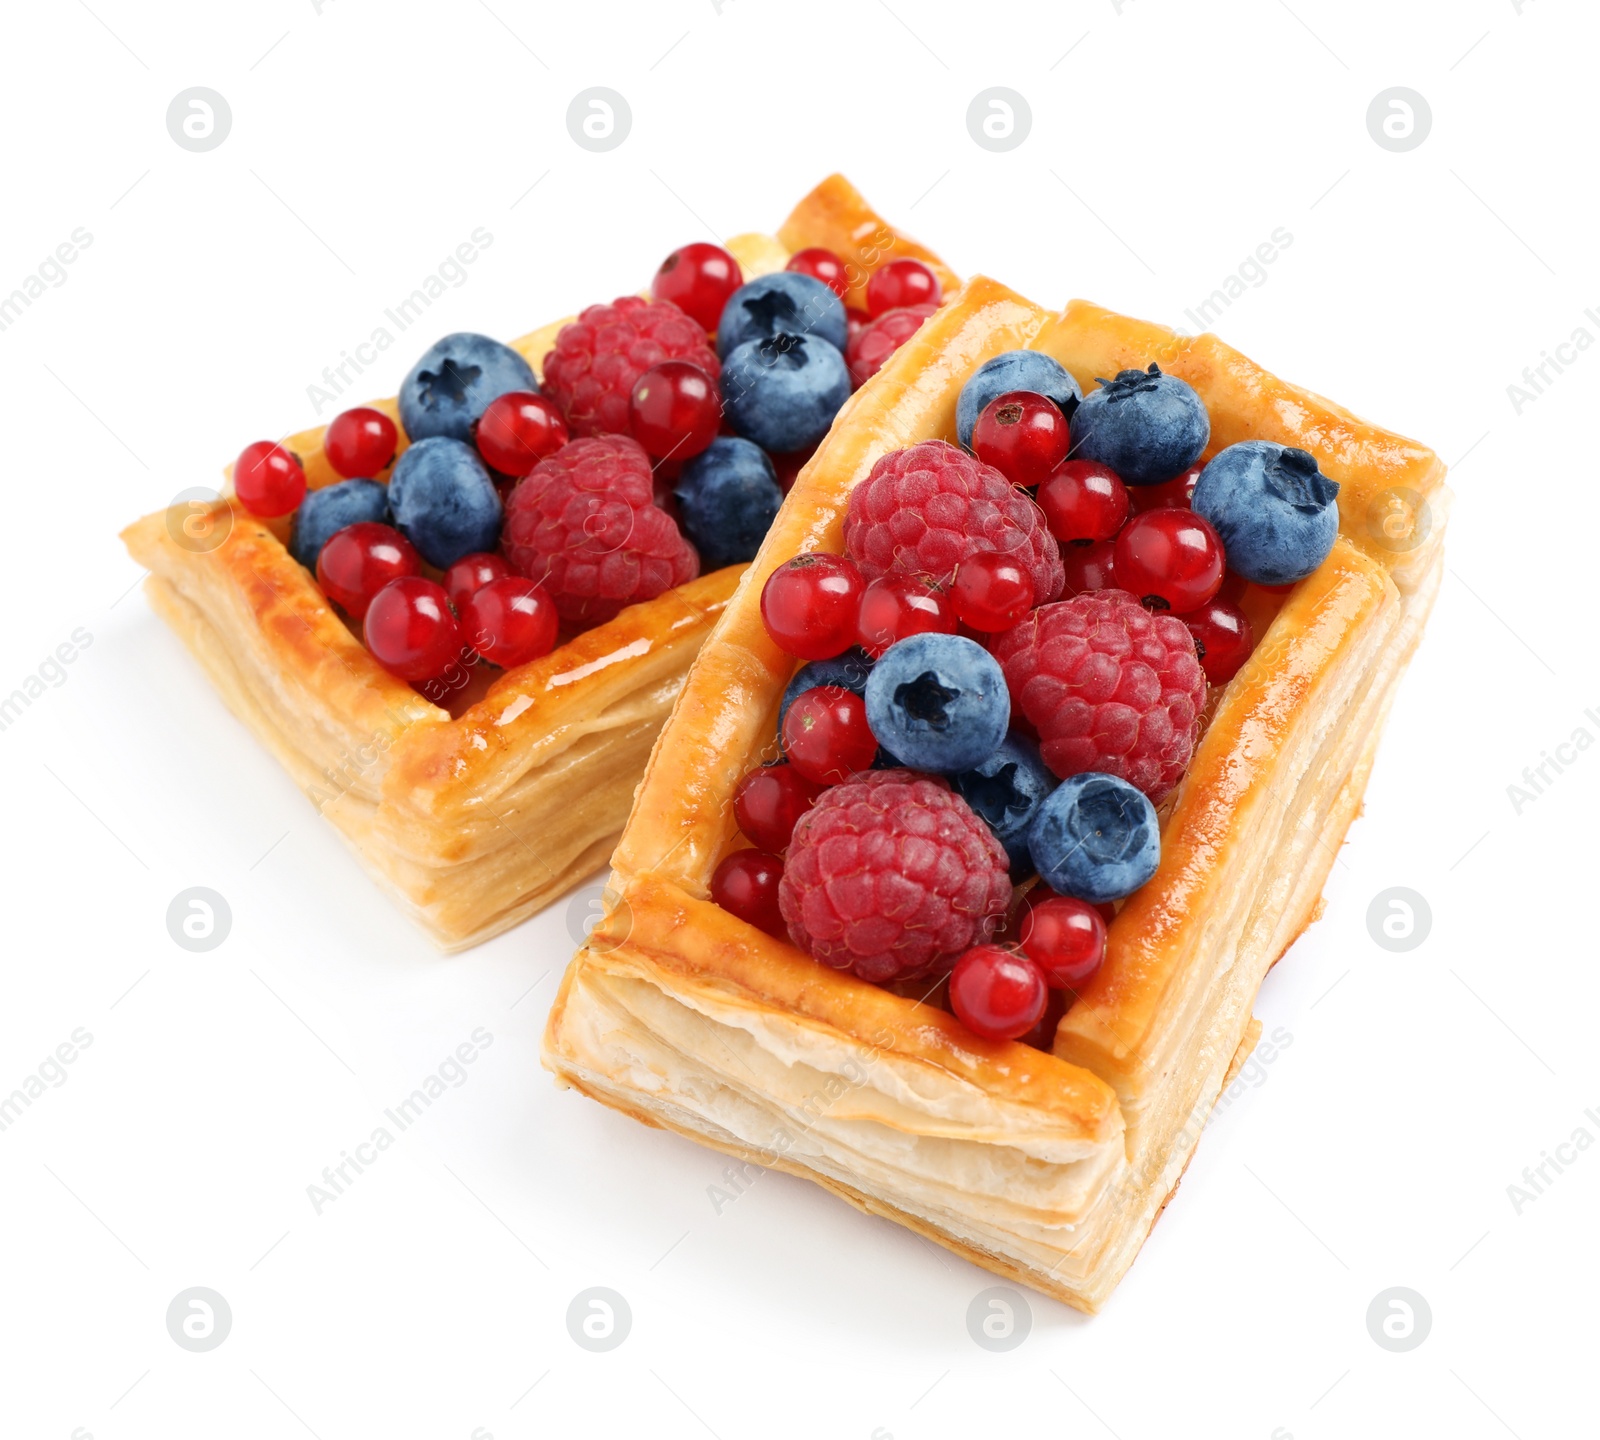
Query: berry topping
pixel 1014 370
pixel 471 573
pixel 896 606
pixel 599 356
pixel 871 346
pixel 360 560
pixel 1095 837
pixel 991 591
pixel 821 265
pixel 411 630
pixel 890 875
pixel 1223 638
pixel 849 670
pixel 1023 435
pixel 698 279
pixel 1170 558
pixel 826 736
pixel 937 702
pixel 746 885
pixel 770 801
pixel 901 283
pixel 1066 938
pixel 997 994
pixel 1275 510
pixel 360 443
pixel 330 509
pixel 444 501
pixel 518 430
pixel 510 621
pixel 783 392
pixel 1085 501
pixel 1005 789
pixel 783 303
pixel 268 479
pixel 585 525
pixel 1108 686
pixel 451 386
pixel 727 497
pixel 1089 566
pixel 1173 493
pixel 809 605
pixel 1146 426
pixel 926 509
pixel 675 410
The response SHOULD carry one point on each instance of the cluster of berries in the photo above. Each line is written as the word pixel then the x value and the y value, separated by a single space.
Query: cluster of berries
pixel 655 447
pixel 978 706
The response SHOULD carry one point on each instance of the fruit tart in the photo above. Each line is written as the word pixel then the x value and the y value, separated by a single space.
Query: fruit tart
pixel 459 617
pixel 1021 752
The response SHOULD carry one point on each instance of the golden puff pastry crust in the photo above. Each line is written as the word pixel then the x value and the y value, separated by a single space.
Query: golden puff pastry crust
pixel 476 816
pixel 686 1018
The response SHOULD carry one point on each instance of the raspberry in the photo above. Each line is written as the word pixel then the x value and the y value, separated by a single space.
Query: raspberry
pixel 1109 687
pixel 585 525
pixel 892 874
pixel 924 510
pixel 598 357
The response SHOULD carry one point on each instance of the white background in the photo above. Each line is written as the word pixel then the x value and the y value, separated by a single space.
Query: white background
pixel 1167 142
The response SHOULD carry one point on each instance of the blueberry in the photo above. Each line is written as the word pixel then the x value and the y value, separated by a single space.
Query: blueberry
pixel 939 702
pixel 1146 426
pixel 1015 370
pixel 451 386
pixel 333 507
pixel 1006 790
pixel 1277 513
pixel 784 392
pixel 444 501
pixel 849 670
pixel 1095 837
pixel 784 302
pixel 727 496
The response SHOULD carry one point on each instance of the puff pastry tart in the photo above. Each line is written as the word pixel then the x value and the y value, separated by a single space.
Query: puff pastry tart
pixel 820 1036
pixel 348 591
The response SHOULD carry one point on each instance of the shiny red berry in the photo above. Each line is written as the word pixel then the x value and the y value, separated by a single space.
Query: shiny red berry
pixel 1089 566
pixel 809 605
pixel 870 346
pixel 471 573
pixel 1171 559
pixel 826 736
pixel 1066 939
pixel 1043 1034
pixel 1023 435
pixel 518 430
pixel 698 279
pixel 1170 494
pixel 745 884
pixel 676 410
pixel 268 479
pixel 360 443
pixel 1084 500
pixel 820 264
pixel 991 591
pixel 411 631
pixel 896 606
pixel 510 621
pixel 769 803
pixel 997 994
pixel 1223 636
pixel 901 283
pixel 788 467
pixel 360 560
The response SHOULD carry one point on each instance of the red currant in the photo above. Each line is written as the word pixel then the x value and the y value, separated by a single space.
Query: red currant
pixel 1083 500
pixel 901 283
pixel 826 736
pixel 1170 494
pixel 1171 559
pixel 268 479
pixel 1089 566
pixel 895 606
pixel 1066 939
pixel 360 443
pixel 676 409
pixel 871 345
pixel 991 591
pixel 769 803
pixel 510 621
pixel 471 573
pixel 1224 637
pixel 1043 1034
pixel 518 430
pixel 411 630
pixel 809 605
pixel 820 264
pixel 788 467
pixel 745 884
pixel 997 994
pixel 1023 435
pixel 360 560
pixel 698 279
